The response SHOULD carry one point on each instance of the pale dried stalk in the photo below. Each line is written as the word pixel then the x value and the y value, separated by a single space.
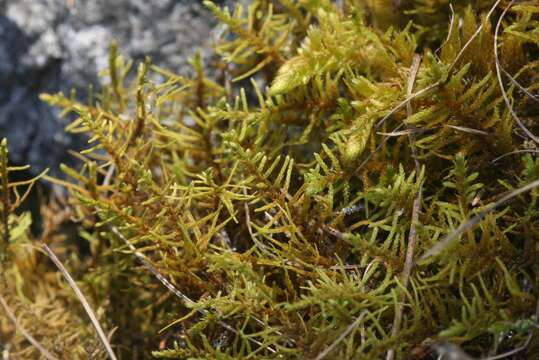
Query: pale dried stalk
pixel 341 337
pixel 516 152
pixel 417 131
pixel 438 83
pixel 442 244
pixel 405 102
pixel 417 200
pixel 82 299
pixel 451 22
pixel 18 327
pixel 467 130
pixel 518 85
pixel 410 250
pixel 500 81
pixel 181 295
pixel 472 38
pixel 369 157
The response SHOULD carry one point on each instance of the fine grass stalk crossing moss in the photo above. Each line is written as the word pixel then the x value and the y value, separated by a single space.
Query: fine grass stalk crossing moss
pixel 331 183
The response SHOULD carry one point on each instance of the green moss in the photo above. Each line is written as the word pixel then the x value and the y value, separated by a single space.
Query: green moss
pixel 295 215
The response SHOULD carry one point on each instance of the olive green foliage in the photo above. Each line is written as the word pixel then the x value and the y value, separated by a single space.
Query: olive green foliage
pixel 282 207
pixel 30 290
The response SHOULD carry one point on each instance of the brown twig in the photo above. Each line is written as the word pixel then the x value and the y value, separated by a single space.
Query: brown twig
pixel 44 352
pixel 410 250
pixel 6 199
pixel 248 218
pixel 82 299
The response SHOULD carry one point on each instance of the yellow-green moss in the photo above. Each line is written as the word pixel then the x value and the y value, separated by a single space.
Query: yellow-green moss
pixel 265 212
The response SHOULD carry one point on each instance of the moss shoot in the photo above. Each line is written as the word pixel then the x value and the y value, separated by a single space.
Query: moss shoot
pixel 338 180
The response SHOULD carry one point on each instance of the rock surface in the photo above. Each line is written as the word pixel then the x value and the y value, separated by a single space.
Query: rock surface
pixel 56 45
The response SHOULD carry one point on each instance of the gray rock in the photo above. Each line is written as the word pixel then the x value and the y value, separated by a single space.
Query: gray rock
pixel 56 45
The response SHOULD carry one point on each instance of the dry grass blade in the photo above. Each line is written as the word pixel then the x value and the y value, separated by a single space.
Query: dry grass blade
pixel 369 157
pixel 472 38
pixel 516 152
pixel 341 337
pixel 405 103
pixel 518 85
pixel 451 22
pixel 178 293
pixel 442 244
pixel 82 299
pixel 410 250
pixel 414 131
pixel 44 352
pixel 398 133
pixel 411 80
pixel 467 130
pixel 152 268
pixel 500 81
pixel 253 237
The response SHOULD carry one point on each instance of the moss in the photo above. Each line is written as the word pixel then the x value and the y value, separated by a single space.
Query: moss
pixel 339 188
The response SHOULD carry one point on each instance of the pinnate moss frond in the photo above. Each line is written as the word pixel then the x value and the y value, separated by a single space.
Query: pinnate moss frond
pixel 341 180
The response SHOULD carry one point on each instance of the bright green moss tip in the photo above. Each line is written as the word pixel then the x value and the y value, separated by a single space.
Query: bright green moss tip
pixel 342 180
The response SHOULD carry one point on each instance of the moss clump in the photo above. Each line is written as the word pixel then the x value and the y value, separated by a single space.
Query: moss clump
pixel 345 185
